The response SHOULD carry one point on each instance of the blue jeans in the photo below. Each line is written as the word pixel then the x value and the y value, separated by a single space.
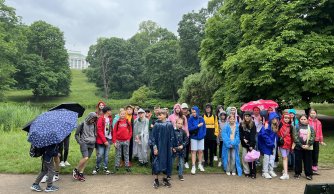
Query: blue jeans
pixel 180 164
pixel 103 152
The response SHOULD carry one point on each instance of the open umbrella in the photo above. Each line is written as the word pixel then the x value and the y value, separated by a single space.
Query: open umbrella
pixel 52 127
pixel 72 106
pixel 262 104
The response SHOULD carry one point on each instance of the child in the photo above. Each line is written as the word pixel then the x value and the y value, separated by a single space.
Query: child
pixel 162 141
pixel 212 130
pixel 180 147
pixel 285 132
pixel 86 138
pixel 267 145
pixel 304 136
pixel 231 139
pixel 100 105
pixel 317 126
pixel 122 135
pixel 103 140
pixel 221 121
pixel 247 130
pixel 48 169
pixel 197 131
pixel 141 135
pixel 294 123
pixel 63 150
pixel 129 116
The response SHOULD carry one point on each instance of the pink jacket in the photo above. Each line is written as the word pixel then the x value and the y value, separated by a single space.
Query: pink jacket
pixel 173 117
pixel 317 126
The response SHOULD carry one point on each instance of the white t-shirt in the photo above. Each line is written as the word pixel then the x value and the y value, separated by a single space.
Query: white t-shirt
pixel 107 128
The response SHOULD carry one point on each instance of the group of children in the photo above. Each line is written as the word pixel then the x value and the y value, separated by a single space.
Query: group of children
pixel 162 139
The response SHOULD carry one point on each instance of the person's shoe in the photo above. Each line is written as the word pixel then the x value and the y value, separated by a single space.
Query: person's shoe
pixel 96 170
pixel 51 188
pixel 75 174
pixel 130 164
pixel 62 164
pixel 284 177
pixel 215 158
pixel 156 184
pixel 44 179
pixel 266 175
pixel 186 165
pixel 272 174
pixel 193 170
pixel 128 169
pixel 233 174
pixel 166 183
pixel 36 187
pixel 253 176
pixel 297 176
pixel 309 178
pixel 228 173
pixel 67 164
pixel 219 164
pixel 200 167
pixel 106 171
pixel 55 178
pixel 169 178
pixel 181 178
pixel 247 175
pixel 314 168
pixel 81 177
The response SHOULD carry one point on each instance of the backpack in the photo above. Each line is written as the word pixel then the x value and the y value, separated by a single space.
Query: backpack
pixel 36 152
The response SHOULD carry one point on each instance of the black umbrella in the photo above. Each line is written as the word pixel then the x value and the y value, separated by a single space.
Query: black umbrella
pixel 72 106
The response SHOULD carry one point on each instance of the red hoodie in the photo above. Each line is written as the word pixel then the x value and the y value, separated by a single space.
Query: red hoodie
pixel 101 124
pixel 122 131
pixel 317 126
pixel 285 132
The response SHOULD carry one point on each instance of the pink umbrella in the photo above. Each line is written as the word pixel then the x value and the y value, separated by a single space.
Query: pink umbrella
pixel 252 156
pixel 261 104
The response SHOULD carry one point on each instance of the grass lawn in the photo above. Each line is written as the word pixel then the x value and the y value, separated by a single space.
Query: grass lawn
pixel 14 151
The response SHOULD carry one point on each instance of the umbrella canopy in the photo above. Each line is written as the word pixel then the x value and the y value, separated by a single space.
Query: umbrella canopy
pixel 252 156
pixel 52 127
pixel 262 104
pixel 72 106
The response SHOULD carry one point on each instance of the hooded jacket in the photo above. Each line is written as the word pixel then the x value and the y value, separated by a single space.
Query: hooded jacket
pixel 295 121
pixel 267 138
pixel 122 131
pixel 285 131
pixel 173 118
pixel 86 132
pixel 317 126
pixel 101 124
pixel 199 132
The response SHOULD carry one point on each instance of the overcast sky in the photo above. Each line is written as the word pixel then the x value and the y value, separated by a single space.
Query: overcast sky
pixel 83 21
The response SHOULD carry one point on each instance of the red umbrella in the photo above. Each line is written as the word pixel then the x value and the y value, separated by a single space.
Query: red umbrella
pixel 261 104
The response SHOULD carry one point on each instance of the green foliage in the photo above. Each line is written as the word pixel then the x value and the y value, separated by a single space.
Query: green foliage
pixel 281 50
pixel 142 95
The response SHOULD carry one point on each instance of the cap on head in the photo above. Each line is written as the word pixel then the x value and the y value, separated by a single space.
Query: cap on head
pixel 184 105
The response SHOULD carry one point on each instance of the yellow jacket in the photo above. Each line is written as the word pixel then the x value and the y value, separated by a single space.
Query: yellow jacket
pixel 212 123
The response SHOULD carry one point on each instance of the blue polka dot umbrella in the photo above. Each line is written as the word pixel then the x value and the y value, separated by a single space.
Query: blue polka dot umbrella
pixel 52 127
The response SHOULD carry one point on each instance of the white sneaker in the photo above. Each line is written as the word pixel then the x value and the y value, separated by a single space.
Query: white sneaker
pixel 219 164
pixel 266 175
pixel 272 174
pixel 193 170
pixel 233 174
pixel 186 165
pixel 284 177
pixel 200 167
pixel 62 164
pixel 67 164
pixel 215 158
pixel 228 173
pixel 55 178
pixel 44 179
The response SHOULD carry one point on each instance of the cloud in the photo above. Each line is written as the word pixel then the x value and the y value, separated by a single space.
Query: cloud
pixel 84 21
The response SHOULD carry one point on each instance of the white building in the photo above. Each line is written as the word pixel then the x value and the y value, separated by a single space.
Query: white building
pixel 77 60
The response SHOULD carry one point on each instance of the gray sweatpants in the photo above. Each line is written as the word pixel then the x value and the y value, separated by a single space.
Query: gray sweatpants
pixel 125 146
pixel 244 163
pixel 268 162
pixel 231 161
pixel 48 169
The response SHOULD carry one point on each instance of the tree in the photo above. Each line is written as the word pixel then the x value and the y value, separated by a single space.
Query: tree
pixel 280 50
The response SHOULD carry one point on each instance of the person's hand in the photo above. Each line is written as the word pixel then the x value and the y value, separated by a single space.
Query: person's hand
pixel 305 146
pixel 200 125
pixel 180 147
pixel 250 148
pixel 266 126
pixel 323 143
pixel 106 143
pixel 152 125
pixel 116 145
pixel 174 150
pixel 155 152
pixel 245 140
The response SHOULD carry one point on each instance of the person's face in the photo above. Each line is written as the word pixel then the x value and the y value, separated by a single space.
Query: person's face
pixel 122 114
pixel 287 118
pixel 208 110
pixel 232 120
pixel 136 110
pixel 141 115
pixel 303 120
pixel 313 114
pixel 156 111
pixel 179 124
pixel 93 120
pixel 185 111
pixel 223 117
pixel 193 113
pixel 129 111
pixel 256 111
pixel 161 117
pixel 108 113
pixel 148 114
pixel 101 106
pixel 274 121
pixel 247 118
pixel 233 111
pixel 221 109
pixel 291 115
pixel 177 110
pixel 270 110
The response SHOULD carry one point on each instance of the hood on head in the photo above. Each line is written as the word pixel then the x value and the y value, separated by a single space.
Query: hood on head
pixel 90 116
pixel 293 111
pixel 273 115
pixel 177 106
pixel 197 110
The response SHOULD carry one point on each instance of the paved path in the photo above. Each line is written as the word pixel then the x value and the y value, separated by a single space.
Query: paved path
pixel 200 183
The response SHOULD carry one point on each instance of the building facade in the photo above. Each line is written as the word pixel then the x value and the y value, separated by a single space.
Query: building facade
pixel 77 60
